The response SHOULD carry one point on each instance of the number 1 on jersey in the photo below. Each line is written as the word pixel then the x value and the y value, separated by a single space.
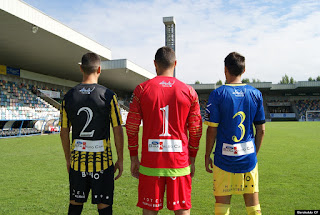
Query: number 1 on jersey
pixel 165 120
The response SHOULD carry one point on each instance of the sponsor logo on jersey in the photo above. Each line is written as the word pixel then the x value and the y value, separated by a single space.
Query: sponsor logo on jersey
pixel 164 145
pixel 238 93
pixel 166 84
pixel 238 149
pixel 89 145
pixel 86 91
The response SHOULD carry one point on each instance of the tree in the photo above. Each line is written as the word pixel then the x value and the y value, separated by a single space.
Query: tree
pixel 318 78
pixel 245 80
pixel 197 82
pixel 219 82
pixel 292 81
pixel 285 79
pixel 254 80
pixel 310 79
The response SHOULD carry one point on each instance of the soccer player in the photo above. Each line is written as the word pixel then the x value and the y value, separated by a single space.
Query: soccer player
pixel 88 109
pixel 169 109
pixel 231 112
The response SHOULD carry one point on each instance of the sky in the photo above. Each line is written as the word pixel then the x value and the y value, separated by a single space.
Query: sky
pixel 277 37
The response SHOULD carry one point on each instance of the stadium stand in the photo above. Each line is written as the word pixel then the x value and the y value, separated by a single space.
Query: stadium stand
pixel 21 109
pixel 303 106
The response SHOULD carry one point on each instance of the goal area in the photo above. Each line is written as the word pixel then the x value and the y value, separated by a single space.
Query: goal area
pixel 313 115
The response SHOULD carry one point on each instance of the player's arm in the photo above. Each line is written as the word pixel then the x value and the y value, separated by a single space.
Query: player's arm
pixel 259 122
pixel 65 134
pixel 260 132
pixel 212 119
pixel 132 129
pixel 116 122
pixel 210 141
pixel 195 130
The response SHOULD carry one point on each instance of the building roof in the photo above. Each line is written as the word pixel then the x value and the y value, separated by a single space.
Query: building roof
pixel 32 41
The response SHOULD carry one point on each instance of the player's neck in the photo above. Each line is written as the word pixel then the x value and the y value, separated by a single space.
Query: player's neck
pixel 167 73
pixel 234 80
pixel 89 79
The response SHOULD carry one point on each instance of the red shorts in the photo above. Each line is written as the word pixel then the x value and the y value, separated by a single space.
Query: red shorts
pixel 151 191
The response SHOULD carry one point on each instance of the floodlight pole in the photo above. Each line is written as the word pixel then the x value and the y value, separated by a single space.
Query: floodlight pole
pixel 170 34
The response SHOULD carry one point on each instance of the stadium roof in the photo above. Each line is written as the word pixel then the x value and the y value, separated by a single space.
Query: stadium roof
pixel 31 40
pixel 269 88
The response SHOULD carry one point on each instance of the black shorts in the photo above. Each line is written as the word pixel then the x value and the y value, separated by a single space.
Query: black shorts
pixel 101 185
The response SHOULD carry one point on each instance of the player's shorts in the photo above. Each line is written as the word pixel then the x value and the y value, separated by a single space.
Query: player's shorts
pixel 228 183
pixel 151 191
pixel 101 185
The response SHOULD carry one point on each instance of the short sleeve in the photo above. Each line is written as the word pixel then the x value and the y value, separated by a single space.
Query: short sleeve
pixel 115 112
pixel 64 122
pixel 212 117
pixel 259 118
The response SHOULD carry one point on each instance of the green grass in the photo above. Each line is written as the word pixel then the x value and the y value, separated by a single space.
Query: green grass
pixel 33 177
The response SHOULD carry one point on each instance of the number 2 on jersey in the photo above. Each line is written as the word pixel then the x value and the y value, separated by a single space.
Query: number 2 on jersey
pixel 89 113
pixel 165 120
pixel 241 126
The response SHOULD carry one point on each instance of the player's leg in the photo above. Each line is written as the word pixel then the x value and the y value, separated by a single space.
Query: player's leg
pixel 75 208
pixel 102 185
pixel 150 193
pixel 222 205
pixel 182 212
pixel 252 203
pixel 251 195
pixel 222 189
pixel 149 212
pixel 79 191
pixel 179 194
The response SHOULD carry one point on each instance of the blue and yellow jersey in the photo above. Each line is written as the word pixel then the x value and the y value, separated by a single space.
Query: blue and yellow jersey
pixel 234 109
pixel 89 109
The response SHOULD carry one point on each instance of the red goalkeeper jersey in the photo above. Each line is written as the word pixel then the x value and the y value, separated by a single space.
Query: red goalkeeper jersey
pixel 168 109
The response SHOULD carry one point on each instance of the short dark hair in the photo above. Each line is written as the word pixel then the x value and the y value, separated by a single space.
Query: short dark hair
pixel 165 57
pixel 235 63
pixel 90 62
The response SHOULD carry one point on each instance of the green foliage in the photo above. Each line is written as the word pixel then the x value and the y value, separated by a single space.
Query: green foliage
pixel 318 78
pixel 34 178
pixel 286 80
pixel 310 79
pixel 197 82
pixel 245 80
pixel 219 82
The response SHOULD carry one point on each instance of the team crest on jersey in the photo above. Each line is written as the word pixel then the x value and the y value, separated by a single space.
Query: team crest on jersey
pixel 167 84
pixel 238 93
pixel 86 91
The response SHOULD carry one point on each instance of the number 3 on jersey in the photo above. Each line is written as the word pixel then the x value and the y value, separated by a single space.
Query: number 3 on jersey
pixel 241 126
pixel 89 113
pixel 165 120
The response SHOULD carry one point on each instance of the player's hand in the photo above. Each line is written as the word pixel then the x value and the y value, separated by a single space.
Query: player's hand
pixel 68 165
pixel 118 165
pixel 192 166
pixel 135 164
pixel 208 164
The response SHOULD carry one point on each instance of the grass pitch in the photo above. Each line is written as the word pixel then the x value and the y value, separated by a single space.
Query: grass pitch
pixel 34 180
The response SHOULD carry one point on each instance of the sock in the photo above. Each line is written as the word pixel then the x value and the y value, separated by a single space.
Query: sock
pixel 253 210
pixel 105 211
pixel 222 209
pixel 75 209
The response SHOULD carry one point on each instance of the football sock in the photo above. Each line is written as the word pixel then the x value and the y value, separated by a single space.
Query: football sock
pixel 253 210
pixel 75 209
pixel 222 209
pixel 105 211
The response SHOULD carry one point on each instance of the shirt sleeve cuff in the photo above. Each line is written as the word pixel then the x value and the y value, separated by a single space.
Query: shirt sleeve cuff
pixel 133 153
pixel 193 153
pixel 212 124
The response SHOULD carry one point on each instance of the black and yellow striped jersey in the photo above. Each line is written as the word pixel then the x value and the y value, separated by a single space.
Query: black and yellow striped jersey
pixel 89 109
